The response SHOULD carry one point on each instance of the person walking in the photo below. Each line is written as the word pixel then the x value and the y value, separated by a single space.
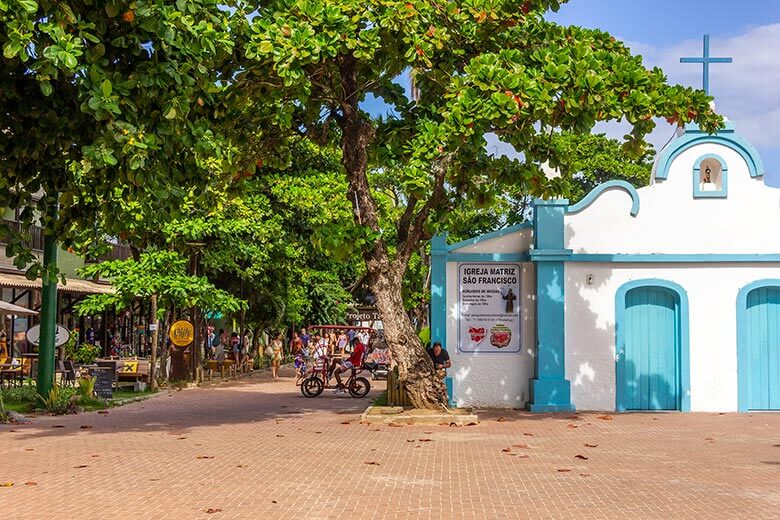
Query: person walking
pixel 276 355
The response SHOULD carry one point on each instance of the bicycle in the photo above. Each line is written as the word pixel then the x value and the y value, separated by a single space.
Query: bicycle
pixel 318 380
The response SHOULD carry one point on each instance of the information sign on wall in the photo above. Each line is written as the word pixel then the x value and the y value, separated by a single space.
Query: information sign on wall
pixel 489 307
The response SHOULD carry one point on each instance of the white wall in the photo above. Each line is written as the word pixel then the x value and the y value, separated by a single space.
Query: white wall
pixel 712 294
pixel 494 380
pixel 518 242
pixel 670 220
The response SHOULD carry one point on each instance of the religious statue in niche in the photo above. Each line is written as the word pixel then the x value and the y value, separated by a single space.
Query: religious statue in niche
pixel 709 177
pixel 510 301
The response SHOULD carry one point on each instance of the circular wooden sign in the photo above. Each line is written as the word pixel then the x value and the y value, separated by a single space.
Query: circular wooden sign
pixel 182 333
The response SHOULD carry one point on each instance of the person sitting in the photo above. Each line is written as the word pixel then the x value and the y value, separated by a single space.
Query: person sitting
pixel 440 358
pixel 354 361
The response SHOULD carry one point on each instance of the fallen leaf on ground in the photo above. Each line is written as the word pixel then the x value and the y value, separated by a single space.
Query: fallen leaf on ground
pixel 154 480
pixel 427 433
pixel 80 466
pixel 409 440
pixel 204 457
pixel 605 417
pixel 528 434
pixel 86 427
pixel 103 412
pixel 29 449
pixel 240 465
pixel 180 438
pixel 371 463
pixel 212 510
pixel 199 445
pixel 709 439
pixel 273 501
pixel 95 456
pixel 13 431
pixel 564 470
pixel 521 456
pixel 500 419
pixel 581 457
pixel 584 474
pixel 6 484
pixel 523 446
pixel 57 426
pixel 507 450
pixel 575 417
pixel 346 422
pixel 394 425
pixel 374 430
pixel 31 483
pixel 425 440
pixel 571 425
pixel 279 435
pixel 469 424
pixel 317 432
pixel 591 445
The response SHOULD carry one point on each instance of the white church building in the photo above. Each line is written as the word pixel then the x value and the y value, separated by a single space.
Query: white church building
pixel 665 297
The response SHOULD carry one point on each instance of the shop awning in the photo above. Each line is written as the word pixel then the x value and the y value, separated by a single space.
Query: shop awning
pixel 9 309
pixel 73 285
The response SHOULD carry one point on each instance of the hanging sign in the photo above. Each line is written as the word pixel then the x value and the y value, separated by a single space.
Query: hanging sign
pixel 489 307
pixel 363 314
pixel 182 333
pixel 61 335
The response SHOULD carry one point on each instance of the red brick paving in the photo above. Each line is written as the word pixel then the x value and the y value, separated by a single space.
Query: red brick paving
pixel 278 455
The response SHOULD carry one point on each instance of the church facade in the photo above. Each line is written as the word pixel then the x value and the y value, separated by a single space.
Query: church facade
pixel 665 297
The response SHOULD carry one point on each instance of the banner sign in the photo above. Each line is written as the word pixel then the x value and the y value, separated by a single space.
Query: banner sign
pixel 363 314
pixel 489 307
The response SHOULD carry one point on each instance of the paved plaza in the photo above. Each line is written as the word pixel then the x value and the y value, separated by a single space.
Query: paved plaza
pixel 256 449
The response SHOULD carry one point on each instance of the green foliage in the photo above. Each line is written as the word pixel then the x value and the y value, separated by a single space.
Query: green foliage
pixel 86 387
pixel 112 106
pixel 84 354
pixel 156 272
pixel 60 401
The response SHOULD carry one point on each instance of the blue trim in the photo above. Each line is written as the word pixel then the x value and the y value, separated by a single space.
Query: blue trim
pixel 693 258
pixel 724 178
pixel 685 368
pixel 743 363
pixel 694 136
pixel 549 390
pixel 488 257
pixel 490 236
pixel 596 192
pixel 439 288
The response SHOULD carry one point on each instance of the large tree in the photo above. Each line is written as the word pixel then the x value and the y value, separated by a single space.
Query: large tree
pixel 479 66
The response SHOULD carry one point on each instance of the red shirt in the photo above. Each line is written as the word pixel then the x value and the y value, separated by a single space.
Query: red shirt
pixel 357 355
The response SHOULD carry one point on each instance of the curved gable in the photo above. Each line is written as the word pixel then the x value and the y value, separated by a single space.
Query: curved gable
pixel 694 136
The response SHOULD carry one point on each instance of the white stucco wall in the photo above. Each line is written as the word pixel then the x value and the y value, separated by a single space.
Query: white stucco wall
pixel 712 294
pixel 671 221
pixel 518 242
pixel 494 380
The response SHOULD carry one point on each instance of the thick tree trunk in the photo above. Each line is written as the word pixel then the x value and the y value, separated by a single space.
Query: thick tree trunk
pixel 155 324
pixel 425 388
pixel 385 276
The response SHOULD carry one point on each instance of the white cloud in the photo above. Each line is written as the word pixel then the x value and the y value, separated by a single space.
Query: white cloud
pixel 746 91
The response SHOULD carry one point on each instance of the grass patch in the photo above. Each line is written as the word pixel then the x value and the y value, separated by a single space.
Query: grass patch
pixel 380 400
pixel 24 399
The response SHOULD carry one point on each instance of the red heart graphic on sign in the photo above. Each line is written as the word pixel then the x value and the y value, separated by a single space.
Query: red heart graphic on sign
pixel 477 334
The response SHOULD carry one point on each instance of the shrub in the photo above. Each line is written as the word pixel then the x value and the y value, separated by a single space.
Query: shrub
pixel 86 387
pixel 60 401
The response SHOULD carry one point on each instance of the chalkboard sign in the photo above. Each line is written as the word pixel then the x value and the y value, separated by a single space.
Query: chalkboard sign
pixel 104 382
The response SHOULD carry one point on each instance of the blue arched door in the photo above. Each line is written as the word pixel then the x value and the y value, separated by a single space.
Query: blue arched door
pixel 762 349
pixel 649 350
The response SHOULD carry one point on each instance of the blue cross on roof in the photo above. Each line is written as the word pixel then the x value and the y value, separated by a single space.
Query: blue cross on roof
pixel 706 60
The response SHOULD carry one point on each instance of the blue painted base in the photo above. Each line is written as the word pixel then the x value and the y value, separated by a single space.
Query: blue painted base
pixel 550 396
pixel 448 383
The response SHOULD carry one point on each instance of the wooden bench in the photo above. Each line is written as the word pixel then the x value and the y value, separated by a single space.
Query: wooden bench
pixel 134 370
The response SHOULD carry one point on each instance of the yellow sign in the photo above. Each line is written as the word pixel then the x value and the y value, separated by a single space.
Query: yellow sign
pixel 182 333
